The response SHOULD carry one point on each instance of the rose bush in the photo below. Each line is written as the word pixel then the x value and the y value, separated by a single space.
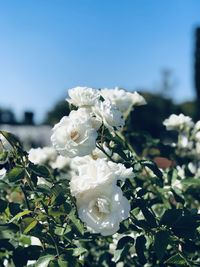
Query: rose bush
pixel 91 200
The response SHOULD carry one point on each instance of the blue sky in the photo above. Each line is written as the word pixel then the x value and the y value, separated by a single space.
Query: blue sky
pixel 48 46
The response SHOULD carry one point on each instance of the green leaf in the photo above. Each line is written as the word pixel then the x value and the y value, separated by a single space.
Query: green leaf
pixel 63 263
pixel 79 251
pixel 151 220
pixel 4 243
pixel 77 223
pixel 161 242
pixel 33 252
pixel 58 194
pixel 3 205
pixel 124 241
pixel 140 247
pixel 190 182
pixel 182 222
pixel 11 138
pixel 44 261
pixel 16 174
pixel 117 255
pixel 3 157
pixel 27 224
pixel 177 259
pixel 14 208
pixel 152 166
pixel 170 216
pixel 19 215
pixel 40 170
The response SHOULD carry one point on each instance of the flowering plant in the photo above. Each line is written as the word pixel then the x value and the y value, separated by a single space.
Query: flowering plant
pixel 91 200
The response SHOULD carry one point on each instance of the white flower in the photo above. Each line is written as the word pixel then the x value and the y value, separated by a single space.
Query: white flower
pixel 91 174
pixel 122 99
pixel 42 155
pixel 103 209
pixel 178 122
pixel 61 162
pixel 83 96
pixel 197 126
pixel 197 136
pixel 121 172
pixel 109 114
pixel 74 135
pixel 36 155
pixel 137 99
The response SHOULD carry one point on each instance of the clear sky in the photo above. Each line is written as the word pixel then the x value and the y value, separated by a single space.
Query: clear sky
pixel 48 46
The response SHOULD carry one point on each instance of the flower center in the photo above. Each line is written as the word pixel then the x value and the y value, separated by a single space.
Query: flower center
pixel 103 205
pixel 74 135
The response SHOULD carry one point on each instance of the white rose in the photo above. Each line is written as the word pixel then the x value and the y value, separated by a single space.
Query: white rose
pixel 91 174
pixel 109 115
pixel 42 155
pixel 122 99
pixel 121 172
pixel 103 209
pixel 197 126
pixel 37 156
pixel 61 162
pixel 197 136
pixel 137 99
pixel 178 122
pixel 74 135
pixel 50 153
pixel 83 96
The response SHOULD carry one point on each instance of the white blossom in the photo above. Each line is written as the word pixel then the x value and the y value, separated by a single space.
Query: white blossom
pixel 103 208
pixel 121 172
pixel 60 162
pixel 42 155
pixel 122 99
pixel 91 173
pixel 83 96
pixel 178 122
pixel 74 135
pixel 109 114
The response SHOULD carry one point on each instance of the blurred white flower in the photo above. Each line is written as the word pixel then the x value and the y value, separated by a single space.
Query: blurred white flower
pixel 60 163
pixel 109 114
pixel 36 156
pixel 178 122
pixel 103 208
pixel 197 126
pixel 122 99
pixel 197 136
pixel 42 155
pixel 74 135
pixel 83 96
